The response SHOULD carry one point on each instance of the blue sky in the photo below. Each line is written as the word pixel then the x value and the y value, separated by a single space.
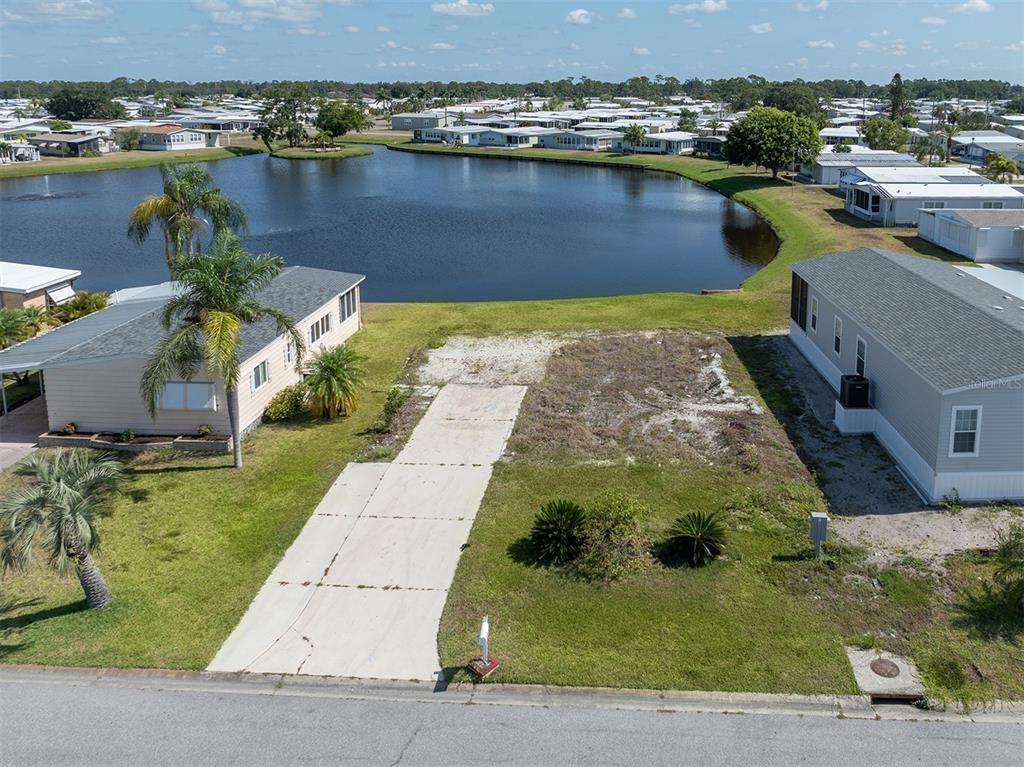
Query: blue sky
pixel 508 40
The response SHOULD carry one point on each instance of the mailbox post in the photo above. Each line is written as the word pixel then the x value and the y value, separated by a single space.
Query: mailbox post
pixel 819 530
pixel 485 663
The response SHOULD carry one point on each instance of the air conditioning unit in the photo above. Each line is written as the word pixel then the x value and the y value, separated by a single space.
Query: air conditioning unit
pixel 854 391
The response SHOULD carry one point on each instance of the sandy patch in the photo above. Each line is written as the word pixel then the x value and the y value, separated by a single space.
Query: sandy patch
pixel 492 361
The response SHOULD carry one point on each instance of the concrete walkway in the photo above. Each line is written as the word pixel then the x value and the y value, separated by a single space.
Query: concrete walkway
pixel 361 590
pixel 19 431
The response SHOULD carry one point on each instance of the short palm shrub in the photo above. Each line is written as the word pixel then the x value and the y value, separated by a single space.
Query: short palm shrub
pixel 698 536
pixel 614 541
pixel 557 534
pixel 393 403
pixel 288 403
pixel 333 377
pixel 1009 558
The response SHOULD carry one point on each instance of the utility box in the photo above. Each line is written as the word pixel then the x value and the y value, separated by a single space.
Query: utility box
pixel 854 391
pixel 819 531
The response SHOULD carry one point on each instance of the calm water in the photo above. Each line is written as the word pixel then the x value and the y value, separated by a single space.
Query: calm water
pixel 419 227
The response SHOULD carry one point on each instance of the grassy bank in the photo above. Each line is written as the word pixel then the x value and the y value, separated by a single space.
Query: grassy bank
pixel 134 159
pixel 315 153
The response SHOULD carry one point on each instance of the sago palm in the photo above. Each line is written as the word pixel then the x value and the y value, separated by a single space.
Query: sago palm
pixel 57 511
pixel 79 305
pixel 332 379
pixel 13 327
pixel 698 536
pixel 216 296
pixel 38 319
pixel 188 208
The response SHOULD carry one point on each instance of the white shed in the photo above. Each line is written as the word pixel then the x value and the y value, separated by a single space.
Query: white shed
pixel 981 235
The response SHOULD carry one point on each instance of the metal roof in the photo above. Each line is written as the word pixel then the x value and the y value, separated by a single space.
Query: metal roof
pixel 133 328
pixel 26 278
pixel 852 160
pixel 943 323
pixel 983 217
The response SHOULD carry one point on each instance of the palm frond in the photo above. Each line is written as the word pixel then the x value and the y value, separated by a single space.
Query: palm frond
pixel 180 353
pixel 221 330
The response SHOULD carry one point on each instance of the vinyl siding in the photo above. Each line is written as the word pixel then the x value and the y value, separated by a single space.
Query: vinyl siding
pixel 1001 439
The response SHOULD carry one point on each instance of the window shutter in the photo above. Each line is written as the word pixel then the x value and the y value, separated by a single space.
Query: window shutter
pixel 252 381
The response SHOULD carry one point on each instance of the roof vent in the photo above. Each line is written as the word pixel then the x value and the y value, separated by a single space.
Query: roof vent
pixel 997 307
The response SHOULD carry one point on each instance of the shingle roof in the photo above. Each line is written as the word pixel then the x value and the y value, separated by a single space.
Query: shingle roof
pixel 982 217
pixel 940 321
pixel 132 329
pixel 853 160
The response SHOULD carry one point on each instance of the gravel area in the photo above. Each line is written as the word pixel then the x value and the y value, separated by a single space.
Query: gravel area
pixel 494 361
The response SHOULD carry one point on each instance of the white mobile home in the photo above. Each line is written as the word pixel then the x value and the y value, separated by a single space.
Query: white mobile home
pixel 937 357
pixel 985 236
pixel 829 167
pixel 171 138
pixel 898 204
pixel 909 174
pixel 590 140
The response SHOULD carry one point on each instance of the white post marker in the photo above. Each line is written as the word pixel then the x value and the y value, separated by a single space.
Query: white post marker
pixel 485 664
pixel 819 530
pixel 485 631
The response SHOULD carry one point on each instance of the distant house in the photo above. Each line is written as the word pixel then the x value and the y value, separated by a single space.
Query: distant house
pixel 847 133
pixel 985 236
pixel 709 145
pixel 91 367
pixel 590 140
pixel 667 142
pixel 513 138
pixel 940 350
pixel 464 135
pixel 414 120
pixel 20 151
pixel 829 167
pixel 909 174
pixel 976 153
pixel 170 138
pixel 68 144
pixel 898 204
pixel 28 285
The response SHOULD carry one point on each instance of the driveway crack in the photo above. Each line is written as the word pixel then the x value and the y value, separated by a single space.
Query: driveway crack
pixel 405 746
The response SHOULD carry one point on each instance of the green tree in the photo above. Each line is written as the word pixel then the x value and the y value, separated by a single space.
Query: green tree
pixel 203 321
pixel 899 99
pixel 798 98
pixel 881 133
pixel 323 138
pixel 79 305
pixel 59 125
pixel 332 379
pixel 634 135
pixel 78 101
pixel 128 139
pixel 285 107
pixel 338 118
pixel 999 168
pixel 687 121
pixel 929 148
pixel 189 206
pixel 382 98
pixel 772 138
pixel 57 510
pixel 842 148
pixel 14 327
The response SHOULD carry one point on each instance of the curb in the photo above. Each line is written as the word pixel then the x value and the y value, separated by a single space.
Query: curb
pixel 503 694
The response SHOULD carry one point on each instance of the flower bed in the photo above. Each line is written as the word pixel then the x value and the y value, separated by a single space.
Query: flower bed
pixel 208 443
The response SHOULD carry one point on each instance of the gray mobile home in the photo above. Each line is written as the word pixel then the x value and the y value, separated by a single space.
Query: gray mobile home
pixel 943 355
pixel 984 236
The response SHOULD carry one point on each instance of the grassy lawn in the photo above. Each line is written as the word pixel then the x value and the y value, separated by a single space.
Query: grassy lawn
pixel 339 152
pixel 190 540
pixel 240 145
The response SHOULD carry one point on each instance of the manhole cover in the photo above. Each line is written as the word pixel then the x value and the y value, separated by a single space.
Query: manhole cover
pixel 885 667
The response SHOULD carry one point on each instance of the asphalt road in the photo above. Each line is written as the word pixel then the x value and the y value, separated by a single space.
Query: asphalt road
pixel 78 719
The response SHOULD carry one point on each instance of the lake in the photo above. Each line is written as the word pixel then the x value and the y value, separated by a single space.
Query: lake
pixel 420 227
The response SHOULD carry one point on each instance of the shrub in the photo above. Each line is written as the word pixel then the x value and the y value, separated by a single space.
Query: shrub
pixel 698 536
pixel 614 543
pixel 68 428
pixel 127 435
pixel 288 403
pixel 1009 571
pixel 91 153
pixel 397 397
pixel 204 429
pixel 557 533
pixel 332 378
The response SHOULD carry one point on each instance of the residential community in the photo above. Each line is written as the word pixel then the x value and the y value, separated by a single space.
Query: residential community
pixel 326 404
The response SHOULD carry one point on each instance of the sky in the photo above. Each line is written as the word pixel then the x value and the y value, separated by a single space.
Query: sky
pixel 508 40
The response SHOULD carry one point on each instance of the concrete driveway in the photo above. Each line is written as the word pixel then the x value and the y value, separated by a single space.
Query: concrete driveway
pixel 19 431
pixel 361 590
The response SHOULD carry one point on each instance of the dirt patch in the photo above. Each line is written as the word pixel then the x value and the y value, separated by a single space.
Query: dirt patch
pixel 491 361
pixel 653 396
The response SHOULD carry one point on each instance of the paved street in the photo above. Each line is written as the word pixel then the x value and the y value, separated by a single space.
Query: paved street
pixel 360 591
pixel 84 719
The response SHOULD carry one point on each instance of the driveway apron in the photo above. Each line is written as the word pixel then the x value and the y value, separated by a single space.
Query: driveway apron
pixel 360 591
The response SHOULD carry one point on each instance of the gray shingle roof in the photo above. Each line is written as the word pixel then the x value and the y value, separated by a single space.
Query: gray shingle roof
pixel 133 329
pixel 852 160
pixel 937 319
pixel 983 217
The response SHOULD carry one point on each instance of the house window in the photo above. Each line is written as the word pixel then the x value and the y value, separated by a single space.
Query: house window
pixel 931 205
pixel 318 328
pixel 348 305
pixel 862 354
pixel 259 376
pixel 837 337
pixel 188 395
pixel 992 205
pixel 965 428
pixel 289 352
pixel 876 203
pixel 814 314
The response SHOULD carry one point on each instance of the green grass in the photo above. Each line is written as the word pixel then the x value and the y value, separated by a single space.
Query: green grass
pixel 133 159
pixel 340 152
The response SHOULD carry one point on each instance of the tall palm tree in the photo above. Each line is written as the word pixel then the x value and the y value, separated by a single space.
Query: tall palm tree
pixel 382 97
pixel 332 379
pixel 216 297
pixel 634 135
pixel 58 510
pixel 1000 169
pixel 190 205
pixel 929 148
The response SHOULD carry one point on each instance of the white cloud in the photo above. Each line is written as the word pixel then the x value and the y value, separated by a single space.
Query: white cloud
pixel 463 8
pixel 218 50
pixel 704 6
pixel 451 28
pixel 117 40
pixel 397 64
pixel 1016 47
pixel 641 51
pixel 442 47
pixel 802 62
pixel 933 20
pixel 351 29
pixel 966 45
pixel 626 13
pixel 383 29
pixel 974 6
pixel 56 10
pixel 716 51
pixel 574 46
pixel 580 16
pixel 249 12
pixel 808 7
pixel 760 29
pixel 391 44
pixel 820 44
pixel 897 47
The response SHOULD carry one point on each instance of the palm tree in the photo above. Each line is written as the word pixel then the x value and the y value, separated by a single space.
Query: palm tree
pixel 713 126
pixel 5 150
pixel 1000 169
pixel 383 97
pixel 38 319
pixel 82 303
pixel 332 379
pixel 58 510
pixel 216 297
pixel 949 130
pixel 13 327
pixel 189 206
pixel 929 148
pixel 323 138
pixel 1010 562
pixel 634 135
